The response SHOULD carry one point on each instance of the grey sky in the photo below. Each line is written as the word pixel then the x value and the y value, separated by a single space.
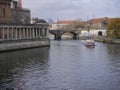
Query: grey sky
pixel 72 9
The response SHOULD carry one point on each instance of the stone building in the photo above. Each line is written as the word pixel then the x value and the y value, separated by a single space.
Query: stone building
pixel 96 27
pixel 19 15
pixel 11 13
pixel 99 23
pixel 5 11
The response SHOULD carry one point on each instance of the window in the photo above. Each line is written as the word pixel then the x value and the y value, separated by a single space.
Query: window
pixel 3 12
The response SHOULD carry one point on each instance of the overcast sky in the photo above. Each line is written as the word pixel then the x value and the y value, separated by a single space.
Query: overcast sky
pixel 73 9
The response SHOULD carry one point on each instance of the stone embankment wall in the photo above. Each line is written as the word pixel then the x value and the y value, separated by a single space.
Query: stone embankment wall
pixel 23 44
pixel 102 39
pixel 113 41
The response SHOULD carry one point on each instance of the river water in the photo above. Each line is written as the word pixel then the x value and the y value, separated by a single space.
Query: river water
pixel 65 65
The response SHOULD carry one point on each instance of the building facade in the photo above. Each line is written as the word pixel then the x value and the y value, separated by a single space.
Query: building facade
pixel 21 16
pixel 96 27
pixel 11 13
pixel 98 23
pixel 67 24
pixel 5 11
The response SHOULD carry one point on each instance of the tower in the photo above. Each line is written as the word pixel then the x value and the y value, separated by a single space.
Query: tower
pixel 20 4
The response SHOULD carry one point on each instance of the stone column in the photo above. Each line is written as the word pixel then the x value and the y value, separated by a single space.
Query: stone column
pixel 33 32
pixel 19 33
pixel 39 33
pixel 47 31
pixel 24 33
pixel 3 33
pixel 12 33
pixel 16 33
pixel 30 33
pixel 27 33
pixel 36 33
pixel 43 32
pixel 0 33
pixel 8 33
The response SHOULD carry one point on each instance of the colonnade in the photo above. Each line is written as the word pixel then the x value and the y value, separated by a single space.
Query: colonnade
pixel 22 32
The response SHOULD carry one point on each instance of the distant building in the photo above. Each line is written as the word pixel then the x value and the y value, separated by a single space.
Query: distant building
pixel 99 23
pixel 5 11
pixel 37 21
pixel 96 27
pixel 50 21
pixel 67 24
pixel 61 24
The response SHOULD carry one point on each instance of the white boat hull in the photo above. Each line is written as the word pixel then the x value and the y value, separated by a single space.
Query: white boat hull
pixel 90 43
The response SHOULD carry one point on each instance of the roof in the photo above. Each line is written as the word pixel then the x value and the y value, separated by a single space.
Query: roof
pixel 97 20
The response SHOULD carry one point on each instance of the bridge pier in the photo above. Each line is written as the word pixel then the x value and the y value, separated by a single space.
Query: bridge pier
pixel 57 37
pixel 77 36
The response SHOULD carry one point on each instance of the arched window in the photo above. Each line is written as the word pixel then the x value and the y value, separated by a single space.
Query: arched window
pixel 100 33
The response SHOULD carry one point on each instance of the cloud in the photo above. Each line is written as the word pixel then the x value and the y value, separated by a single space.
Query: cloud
pixel 71 9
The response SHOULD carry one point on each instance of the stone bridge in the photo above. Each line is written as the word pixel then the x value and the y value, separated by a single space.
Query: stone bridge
pixel 58 33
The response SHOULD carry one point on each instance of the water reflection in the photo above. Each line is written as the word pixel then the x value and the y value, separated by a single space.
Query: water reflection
pixel 114 61
pixel 17 67
pixel 114 55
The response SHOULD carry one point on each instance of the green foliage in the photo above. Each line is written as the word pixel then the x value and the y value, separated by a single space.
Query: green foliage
pixel 113 28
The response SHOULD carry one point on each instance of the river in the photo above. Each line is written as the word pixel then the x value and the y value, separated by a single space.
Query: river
pixel 65 65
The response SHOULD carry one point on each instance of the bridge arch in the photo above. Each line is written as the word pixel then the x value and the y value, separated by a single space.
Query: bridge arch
pixel 51 36
pixel 59 33
pixel 75 35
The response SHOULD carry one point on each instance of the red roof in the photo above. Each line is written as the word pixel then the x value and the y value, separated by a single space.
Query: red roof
pixel 97 20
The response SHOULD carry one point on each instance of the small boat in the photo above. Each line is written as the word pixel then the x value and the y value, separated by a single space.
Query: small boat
pixel 90 43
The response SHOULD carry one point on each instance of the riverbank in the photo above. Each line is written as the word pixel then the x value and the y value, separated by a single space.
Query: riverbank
pixel 23 44
pixel 102 39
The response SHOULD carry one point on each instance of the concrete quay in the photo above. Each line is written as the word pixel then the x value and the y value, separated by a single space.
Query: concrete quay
pixel 14 37
pixel 23 44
